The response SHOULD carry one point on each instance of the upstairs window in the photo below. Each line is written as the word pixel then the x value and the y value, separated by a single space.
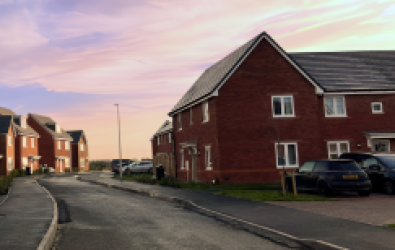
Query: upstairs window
pixel 59 145
pixel 205 111
pixel 377 108
pixel 32 142
pixel 283 106
pixel 335 106
pixel 82 148
pixel 157 139
pixel 9 140
pixel 24 141
pixel 169 137
pixel 190 114
pixel 67 145
pixel 179 121
pixel 208 162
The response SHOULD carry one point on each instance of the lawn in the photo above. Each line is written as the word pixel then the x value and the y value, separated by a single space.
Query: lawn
pixel 204 186
pixel 271 195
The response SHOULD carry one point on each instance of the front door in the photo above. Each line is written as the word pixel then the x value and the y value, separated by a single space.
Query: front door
pixel 31 166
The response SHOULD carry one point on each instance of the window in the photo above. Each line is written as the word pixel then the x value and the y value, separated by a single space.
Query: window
pixel 287 155
pixel 336 148
pixel 24 162
pixel 82 148
pixel 207 157
pixel 307 166
pixel 32 142
pixel 205 111
pixel 67 162
pixel 10 163
pixel 169 137
pixel 182 159
pixel 157 138
pixel 24 141
pixel 9 140
pixel 82 163
pixel 190 118
pixel 283 106
pixel 335 106
pixel 381 145
pixel 179 122
pixel 67 145
pixel 377 108
pixel 59 145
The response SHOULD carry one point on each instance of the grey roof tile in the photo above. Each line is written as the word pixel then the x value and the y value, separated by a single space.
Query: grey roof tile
pixel 47 123
pixel 213 76
pixel 76 135
pixel 349 70
pixel 5 123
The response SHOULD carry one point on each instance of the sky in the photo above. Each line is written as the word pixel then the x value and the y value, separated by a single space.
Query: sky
pixel 72 60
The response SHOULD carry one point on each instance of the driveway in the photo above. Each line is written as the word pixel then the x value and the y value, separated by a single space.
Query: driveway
pixel 377 209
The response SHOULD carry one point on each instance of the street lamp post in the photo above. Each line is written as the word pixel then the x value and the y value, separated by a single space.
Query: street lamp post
pixel 120 149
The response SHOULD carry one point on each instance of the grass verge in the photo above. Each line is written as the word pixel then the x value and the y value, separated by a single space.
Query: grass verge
pixel 196 185
pixel 271 195
pixel 391 226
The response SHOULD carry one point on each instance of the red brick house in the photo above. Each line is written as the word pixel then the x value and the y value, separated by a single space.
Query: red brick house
pixel 162 144
pixel 79 150
pixel 54 144
pixel 7 144
pixel 312 104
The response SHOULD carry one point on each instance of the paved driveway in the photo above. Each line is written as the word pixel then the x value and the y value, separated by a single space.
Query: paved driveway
pixel 377 209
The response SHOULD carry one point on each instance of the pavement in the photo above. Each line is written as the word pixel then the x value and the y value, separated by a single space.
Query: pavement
pixel 295 222
pixel 102 218
pixel 25 216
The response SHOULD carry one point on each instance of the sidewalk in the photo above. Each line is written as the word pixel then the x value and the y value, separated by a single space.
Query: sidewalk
pixel 25 216
pixel 301 224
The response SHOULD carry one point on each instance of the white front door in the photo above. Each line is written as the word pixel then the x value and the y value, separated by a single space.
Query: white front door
pixel 380 145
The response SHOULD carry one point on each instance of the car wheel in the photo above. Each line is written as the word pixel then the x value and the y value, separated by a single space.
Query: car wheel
pixel 364 193
pixel 323 189
pixel 389 187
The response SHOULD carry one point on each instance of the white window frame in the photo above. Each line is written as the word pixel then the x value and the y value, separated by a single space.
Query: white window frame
pixel 286 155
pixel 283 106
pixel 190 116
pixel 59 145
pixel 182 159
pixel 381 111
pixel 82 147
pixel 169 137
pixel 9 140
pixel 32 142
pixel 24 141
pixel 10 163
pixel 179 120
pixel 205 111
pixel 67 145
pixel 208 165
pixel 337 147
pixel 335 106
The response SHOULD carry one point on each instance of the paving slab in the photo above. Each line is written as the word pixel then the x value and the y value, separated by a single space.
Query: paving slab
pixel 25 216
pixel 302 224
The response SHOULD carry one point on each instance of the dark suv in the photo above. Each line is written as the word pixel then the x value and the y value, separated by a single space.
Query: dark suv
pixel 328 176
pixel 115 164
pixel 379 166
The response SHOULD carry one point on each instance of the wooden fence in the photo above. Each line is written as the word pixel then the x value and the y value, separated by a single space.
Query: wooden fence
pixel 167 161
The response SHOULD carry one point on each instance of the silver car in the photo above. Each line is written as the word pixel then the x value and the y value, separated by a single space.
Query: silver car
pixel 141 167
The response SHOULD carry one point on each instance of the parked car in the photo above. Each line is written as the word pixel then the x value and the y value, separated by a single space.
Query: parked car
pixel 379 166
pixel 141 167
pixel 115 164
pixel 329 176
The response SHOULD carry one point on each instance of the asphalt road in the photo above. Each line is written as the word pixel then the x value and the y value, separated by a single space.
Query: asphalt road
pixel 105 218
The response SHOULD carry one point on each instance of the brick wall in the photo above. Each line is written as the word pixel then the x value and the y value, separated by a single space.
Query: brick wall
pixel 21 152
pixel 7 151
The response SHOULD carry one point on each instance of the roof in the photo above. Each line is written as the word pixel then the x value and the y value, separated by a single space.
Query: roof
pixel 46 122
pixel 349 70
pixel 28 130
pixel 166 127
pixel 76 135
pixel 5 123
pixel 5 111
pixel 213 76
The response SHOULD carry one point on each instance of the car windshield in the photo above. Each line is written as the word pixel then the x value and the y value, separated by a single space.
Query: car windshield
pixel 343 166
pixel 388 160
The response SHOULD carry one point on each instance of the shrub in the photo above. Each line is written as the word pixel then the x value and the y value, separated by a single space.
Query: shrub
pixel 37 171
pixel 145 179
pixel 14 173
pixel 5 183
pixel 67 170
pixel 76 169
pixel 170 181
pixel 46 171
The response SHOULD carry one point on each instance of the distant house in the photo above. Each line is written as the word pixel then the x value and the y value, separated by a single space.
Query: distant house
pixel 25 141
pixel 7 144
pixel 54 144
pixel 79 153
pixel 162 148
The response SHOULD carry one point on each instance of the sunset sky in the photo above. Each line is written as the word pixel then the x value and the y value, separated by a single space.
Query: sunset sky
pixel 73 60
